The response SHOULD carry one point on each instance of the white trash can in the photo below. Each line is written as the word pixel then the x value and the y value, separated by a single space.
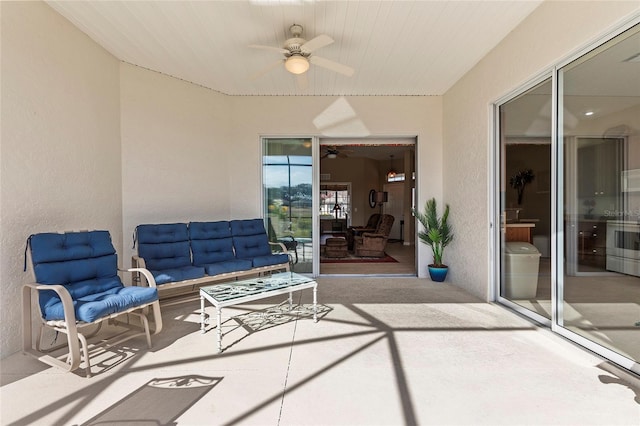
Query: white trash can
pixel 522 261
pixel 542 244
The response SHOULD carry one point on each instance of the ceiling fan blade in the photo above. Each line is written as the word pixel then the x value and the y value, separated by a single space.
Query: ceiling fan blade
pixel 266 69
pixel 260 46
pixel 302 82
pixel 330 65
pixel 316 43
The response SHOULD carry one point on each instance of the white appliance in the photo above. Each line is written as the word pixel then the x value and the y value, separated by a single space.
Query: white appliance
pixel 623 247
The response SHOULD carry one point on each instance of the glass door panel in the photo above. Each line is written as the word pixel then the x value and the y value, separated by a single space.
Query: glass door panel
pixel 287 178
pixel 599 136
pixel 525 200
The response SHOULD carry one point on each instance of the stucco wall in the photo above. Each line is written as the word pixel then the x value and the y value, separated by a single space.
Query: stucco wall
pixel 176 144
pixel 553 31
pixel 190 153
pixel 60 163
pixel 307 116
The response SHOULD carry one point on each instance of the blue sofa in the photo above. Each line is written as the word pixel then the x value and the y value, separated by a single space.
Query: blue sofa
pixel 181 254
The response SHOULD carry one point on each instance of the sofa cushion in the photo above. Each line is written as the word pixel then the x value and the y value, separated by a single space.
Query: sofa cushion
pixel 211 251
pixel 248 247
pixel 177 274
pixel 162 233
pixel 209 230
pixel 247 227
pixel 250 238
pixel 164 246
pixel 250 241
pixel 224 267
pixel 165 256
pixel 273 259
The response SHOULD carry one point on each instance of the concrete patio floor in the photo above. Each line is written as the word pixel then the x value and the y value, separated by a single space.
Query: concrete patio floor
pixel 386 351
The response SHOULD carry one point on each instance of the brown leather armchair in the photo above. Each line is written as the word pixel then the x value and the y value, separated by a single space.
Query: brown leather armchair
pixel 354 231
pixel 372 244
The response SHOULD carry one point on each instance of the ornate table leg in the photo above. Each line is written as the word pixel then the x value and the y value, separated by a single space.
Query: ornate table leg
pixel 202 315
pixel 219 315
pixel 315 301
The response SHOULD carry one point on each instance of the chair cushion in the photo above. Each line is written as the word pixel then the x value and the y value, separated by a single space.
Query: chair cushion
pixel 97 305
pixel 54 247
pixel 84 263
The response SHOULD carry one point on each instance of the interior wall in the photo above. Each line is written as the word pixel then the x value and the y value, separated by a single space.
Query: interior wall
pixel 536 201
pixel 60 152
pixel 363 175
pixel 176 144
pixel 621 124
pixel 553 31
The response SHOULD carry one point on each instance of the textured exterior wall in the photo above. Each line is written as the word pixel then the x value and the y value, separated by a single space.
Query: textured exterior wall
pixel 175 150
pixel 553 31
pixel 60 163
pixel 189 153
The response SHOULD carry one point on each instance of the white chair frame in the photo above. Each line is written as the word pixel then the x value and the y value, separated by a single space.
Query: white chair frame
pixel 76 340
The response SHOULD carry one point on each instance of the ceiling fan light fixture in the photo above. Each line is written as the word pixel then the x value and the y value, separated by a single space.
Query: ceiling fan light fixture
pixel 332 155
pixel 296 64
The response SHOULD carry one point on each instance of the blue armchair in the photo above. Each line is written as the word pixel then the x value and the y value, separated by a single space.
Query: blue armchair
pixel 77 284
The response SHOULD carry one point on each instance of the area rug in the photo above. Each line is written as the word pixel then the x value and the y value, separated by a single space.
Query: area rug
pixel 356 259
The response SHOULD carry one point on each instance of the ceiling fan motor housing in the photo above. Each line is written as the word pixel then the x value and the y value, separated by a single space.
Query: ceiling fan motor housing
pixel 293 45
pixel 298 51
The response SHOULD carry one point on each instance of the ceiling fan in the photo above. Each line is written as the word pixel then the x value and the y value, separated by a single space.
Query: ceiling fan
pixel 333 152
pixel 298 54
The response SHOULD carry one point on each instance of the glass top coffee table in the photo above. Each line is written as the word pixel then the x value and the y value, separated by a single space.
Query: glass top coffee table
pixel 248 290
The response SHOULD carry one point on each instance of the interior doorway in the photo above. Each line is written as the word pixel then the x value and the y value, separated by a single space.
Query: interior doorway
pixel 354 238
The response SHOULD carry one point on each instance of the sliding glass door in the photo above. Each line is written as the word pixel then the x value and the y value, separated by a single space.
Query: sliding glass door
pixel 567 198
pixel 287 180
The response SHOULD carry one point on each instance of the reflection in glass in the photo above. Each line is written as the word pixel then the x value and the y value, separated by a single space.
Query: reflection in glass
pixel 599 135
pixel 287 182
pixel 525 199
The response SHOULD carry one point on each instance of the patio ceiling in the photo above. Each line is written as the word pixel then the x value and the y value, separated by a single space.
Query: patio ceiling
pixel 396 48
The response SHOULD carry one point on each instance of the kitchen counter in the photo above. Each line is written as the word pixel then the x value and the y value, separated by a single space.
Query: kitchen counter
pixel 519 231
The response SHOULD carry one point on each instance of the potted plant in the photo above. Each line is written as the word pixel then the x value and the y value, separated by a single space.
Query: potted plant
pixel 520 180
pixel 437 234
